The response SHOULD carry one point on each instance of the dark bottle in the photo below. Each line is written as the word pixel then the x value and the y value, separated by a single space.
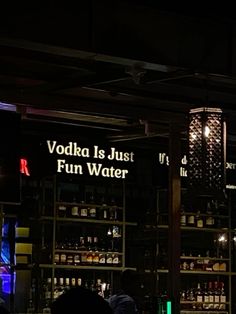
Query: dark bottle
pixel 113 210
pixel 83 210
pixel 205 304
pixel 104 211
pixel 199 220
pixel 62 210
pixel 191 218
pixel 92 210
pixel 210 221
pixel 75 209
pixel 183 217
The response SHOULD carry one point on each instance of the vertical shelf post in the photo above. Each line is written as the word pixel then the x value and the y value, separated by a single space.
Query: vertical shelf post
pixel 174 217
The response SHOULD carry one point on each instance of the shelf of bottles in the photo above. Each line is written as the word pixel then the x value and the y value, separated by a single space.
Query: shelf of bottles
pixel 53 287
pixel 203 297
pixel 91 250
pixel 206 240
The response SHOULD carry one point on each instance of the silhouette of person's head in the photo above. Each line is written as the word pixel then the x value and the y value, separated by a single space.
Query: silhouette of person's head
pixel 129 281
pixel 80 301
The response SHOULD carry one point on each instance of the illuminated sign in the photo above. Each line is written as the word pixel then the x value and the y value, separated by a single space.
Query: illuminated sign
pixel 24 169
pixel 163 159
pixel 98 155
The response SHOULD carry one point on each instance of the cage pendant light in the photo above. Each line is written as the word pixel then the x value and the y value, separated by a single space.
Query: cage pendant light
pixel 207 142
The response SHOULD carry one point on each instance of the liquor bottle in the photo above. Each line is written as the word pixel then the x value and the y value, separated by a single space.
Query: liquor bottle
pixel 113 210
pixel 95 249
pixel 222 265
pixel 199 220
pixel 92 210
pixel 62 211
pixel 205 305
pixel 63 258
pixel 199 297
pixel 191 218
pixel 115 259
pixel 77 259
pixel 102 258
pixel 67 284
pixel 47 287
pixel 46 309
pixel 83 210
pixel 191 297
pixel 99 287
pixel 56 291
pixel 61 286
pixel 216 296
pixel 222 297
pixel 83 249
pixel 210 296
pixel 57 258
pixel 109 242
pixel 210 221
pixel 104 211
pixel 89 244
pixel 182 295
pixel 73 282
pixel 183 218
pixel 79 282
pixel 207 265
pixel 69 259
pixel 199 263
pixel 75 209
pixel 30 307
pixel 109 259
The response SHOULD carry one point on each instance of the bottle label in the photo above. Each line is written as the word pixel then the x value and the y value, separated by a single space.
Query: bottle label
pixel 104 214
pixel 183 220
pixel 84 258
pixel 63 258
pixel 199 298
pixel 75 211
pixel 200 223
pixel 109 259
pixel 92 212
pixel 116 260
pixel 84 212
pixel 77 259
pixel 89 258
pixel 102 259
pixel 57 258
pixel 210 221
pixel 95 259
pixel 191 220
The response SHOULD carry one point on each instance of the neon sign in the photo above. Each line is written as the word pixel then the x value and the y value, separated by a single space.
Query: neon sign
pixel 24 168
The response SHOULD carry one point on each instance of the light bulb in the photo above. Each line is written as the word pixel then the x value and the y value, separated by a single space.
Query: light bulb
pixel 206 131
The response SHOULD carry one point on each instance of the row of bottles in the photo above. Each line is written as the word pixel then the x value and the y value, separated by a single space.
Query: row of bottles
pixel 111 242
pixel 62 284
pixel 202 263
pixel 201 219
pixel 90 211
pixel 90 250
pixel 204 296
pixel 88 258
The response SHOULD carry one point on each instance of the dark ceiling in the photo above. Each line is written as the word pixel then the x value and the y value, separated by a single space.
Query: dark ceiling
pixel 131 67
